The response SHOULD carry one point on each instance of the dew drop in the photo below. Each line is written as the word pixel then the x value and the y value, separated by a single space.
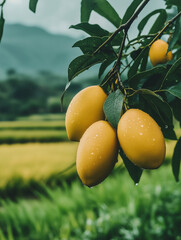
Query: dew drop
pixel 92 153
pixel 142 125
pixel 141 134
pixel 153 139
pixel 136 184
pixel 166 126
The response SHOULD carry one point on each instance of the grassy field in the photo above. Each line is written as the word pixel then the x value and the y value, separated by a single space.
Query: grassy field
pixel 116 209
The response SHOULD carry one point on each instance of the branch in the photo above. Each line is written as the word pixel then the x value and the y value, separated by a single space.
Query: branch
pixel 125 26
pixel 166 26
pixel 2 4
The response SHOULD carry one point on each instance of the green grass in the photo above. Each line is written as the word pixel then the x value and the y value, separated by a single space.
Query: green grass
pixel 115 209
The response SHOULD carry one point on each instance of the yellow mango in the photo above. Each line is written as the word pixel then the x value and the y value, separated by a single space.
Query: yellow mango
pixel 97 153
pixel 85 108
pixel 141 139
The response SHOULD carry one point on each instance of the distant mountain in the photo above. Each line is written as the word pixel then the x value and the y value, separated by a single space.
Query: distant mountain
pixel 31 49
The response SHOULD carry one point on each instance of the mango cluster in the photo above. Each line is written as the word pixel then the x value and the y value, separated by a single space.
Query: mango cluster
pixel 138 135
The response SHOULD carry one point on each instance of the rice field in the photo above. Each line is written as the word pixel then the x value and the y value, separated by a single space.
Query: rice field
pixel 35 160
pixel 38 130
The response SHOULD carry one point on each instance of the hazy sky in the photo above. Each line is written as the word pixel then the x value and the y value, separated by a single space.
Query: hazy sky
pixel 57 15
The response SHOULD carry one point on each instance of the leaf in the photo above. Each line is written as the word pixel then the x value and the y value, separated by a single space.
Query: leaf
pixel 134 171
pixel 160 111
pixel 62 95
pixel 176 160
pixel 103 8
pixel 175 35
pixel 82 63
pixel 134 68
pixel 32 5
pixel 86 9
pixel 134 54
pixel 144 21
pixel 171 70
pixel 175 90
pixel 159 22
pixel 90 44
pixel 130 10
pixel 169 3
pixel 176 106
pixel 113 106
pixel 91 29
pixel 1 25
pixel 134 80
pixel 144 62
pixel 105 64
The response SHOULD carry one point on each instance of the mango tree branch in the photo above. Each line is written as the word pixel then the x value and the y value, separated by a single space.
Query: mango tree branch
pixel 166 26
pixel 2 4
pixel 125 26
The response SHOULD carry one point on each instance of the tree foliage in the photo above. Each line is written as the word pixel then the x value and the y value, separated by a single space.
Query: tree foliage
pixel 125 71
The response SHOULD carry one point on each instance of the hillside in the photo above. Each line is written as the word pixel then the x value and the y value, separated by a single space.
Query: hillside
pixel 31 49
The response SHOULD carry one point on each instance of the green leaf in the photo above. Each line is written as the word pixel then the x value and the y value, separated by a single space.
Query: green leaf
pixel 105 64
pixel 86 8
pixel 176 160
pixel 160 111
pixel 171 70
pixel 103 8
pixel 134 68
pixel 91 29
pixel 62 95
pixel 176 106
pixel 113 106
pixel 144 21
pixel 90 44
pixel 1 26
pixel 130 10
pixel 144 62
pixel 82 63
pixel 176 34
pixel 159 22
pixel 175 90
pixel 135 80
pixel 134 171
pixel 134 54
pixel 170 3
pixel 32 5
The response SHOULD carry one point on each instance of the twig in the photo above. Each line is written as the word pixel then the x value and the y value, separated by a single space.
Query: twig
pixel 166 26
pixel 2 4
pixel 125 26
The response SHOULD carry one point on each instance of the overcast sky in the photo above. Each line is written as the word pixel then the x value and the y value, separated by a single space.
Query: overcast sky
pixel 57 15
